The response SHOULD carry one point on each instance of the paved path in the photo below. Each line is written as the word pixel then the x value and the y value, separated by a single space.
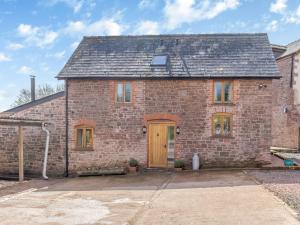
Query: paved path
pixel 219 198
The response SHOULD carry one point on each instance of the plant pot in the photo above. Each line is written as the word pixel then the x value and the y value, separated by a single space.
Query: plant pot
pixel 178 169
pixel 132 169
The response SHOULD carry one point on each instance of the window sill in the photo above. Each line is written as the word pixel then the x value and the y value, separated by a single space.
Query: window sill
pixel 123 103
pixel 223 104
pixel 90 149
pixel 221 137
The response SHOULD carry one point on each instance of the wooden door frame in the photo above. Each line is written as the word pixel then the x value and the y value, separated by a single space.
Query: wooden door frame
pixel 165 122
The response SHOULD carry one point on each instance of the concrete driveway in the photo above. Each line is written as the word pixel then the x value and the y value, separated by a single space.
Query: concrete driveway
pixel 221 198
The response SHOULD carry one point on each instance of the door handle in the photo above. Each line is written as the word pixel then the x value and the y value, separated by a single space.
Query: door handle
pixel 165 146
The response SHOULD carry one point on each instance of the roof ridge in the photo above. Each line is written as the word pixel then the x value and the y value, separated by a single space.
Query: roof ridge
pixel 175 35
pixel 293 42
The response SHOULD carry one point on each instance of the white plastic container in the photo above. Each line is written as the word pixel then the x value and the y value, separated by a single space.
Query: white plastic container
pixel 196 161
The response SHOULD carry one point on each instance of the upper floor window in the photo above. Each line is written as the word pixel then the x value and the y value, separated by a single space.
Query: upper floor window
pixel 123 92
pixel 223 91
pixel 84 137
pixel 222 124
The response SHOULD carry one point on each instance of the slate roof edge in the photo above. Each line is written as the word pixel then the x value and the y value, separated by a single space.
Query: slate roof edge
pixel 168 78
pixel 282 47
pixel 175 35
pixel 35 103
pixel 288 55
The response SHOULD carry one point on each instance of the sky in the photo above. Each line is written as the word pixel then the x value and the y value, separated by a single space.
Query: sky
pixel 38 36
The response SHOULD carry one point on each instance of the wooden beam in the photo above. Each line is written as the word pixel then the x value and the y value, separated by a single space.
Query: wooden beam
pixel 21 154
pixel 20 123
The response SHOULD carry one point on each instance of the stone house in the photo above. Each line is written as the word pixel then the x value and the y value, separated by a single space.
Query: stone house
pixel 159 98
pixel 286 97
pixel 165 97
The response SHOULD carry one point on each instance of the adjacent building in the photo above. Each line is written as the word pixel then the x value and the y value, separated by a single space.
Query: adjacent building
pixel 286 97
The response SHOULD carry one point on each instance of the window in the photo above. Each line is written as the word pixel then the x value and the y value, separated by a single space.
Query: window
pixel 159 60
pixel 84 137
pixel 222 124
pixel 223 91
pixel 123 92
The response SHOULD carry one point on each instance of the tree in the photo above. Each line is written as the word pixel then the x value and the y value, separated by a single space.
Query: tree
pixel 42 91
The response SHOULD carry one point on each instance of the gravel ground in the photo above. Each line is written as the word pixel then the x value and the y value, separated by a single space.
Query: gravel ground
pixel 5 183
pixel 284 184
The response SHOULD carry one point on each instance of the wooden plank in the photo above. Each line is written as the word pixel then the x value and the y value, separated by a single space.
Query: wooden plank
pixel 20 123
pixel 21 154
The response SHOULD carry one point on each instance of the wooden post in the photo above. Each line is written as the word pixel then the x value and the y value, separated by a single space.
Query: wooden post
pixel 21 154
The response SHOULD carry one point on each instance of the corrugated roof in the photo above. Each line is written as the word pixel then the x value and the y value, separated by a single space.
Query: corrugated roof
pixel 36 102
pixel 198 55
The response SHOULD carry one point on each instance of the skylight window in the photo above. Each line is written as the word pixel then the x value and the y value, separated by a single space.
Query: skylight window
pixel 159 60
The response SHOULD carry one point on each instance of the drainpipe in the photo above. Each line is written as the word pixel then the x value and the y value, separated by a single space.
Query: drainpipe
pixel 46 151
pixel 292 70
pixel 67 127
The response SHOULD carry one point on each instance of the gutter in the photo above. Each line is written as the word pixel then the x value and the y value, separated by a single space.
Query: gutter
pixel 67 126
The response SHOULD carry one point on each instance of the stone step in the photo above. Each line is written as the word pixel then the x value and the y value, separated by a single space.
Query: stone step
pixel 157 170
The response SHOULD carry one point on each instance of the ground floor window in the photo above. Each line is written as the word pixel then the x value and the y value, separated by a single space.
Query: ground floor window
pixel 84 137
pixel 222 124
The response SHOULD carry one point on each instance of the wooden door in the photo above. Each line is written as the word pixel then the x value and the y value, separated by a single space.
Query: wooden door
pixel 157 145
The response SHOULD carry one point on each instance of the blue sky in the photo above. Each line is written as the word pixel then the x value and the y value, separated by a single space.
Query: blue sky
pixel 37 37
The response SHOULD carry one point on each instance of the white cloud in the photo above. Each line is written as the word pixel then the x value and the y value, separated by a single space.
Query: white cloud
pixel 146 4
pixel 104 26
pixel 59 55
pixel 39 36
pixel 292 17
pixel 178 12
pixel 76 5
pixel 147 27
pixel 15 46
pixel 287 16
pixel 26 70
pixel 75 27
pixel 272 26
pixel 278 6
pixel 3 95
pixel 74 45
pixel 4 58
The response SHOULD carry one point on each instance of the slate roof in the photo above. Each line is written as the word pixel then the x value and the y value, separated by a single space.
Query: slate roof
pixel 196 56
pixel 34 103
pixel 291 48
pixel 278 50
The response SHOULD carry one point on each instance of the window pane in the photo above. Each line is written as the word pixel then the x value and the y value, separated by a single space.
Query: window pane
pixel 227 92
pixel 217 125
pixel 218 92
pixel 79 137
pixel 127 92
pixel 120 92
pixel 171 133
pixel 159 60
pixel 227 128
pixel 88 136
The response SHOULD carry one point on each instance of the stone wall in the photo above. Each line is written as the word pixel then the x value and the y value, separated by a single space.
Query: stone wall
pixel 34 140
pixel 285 125
pixel 118 126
